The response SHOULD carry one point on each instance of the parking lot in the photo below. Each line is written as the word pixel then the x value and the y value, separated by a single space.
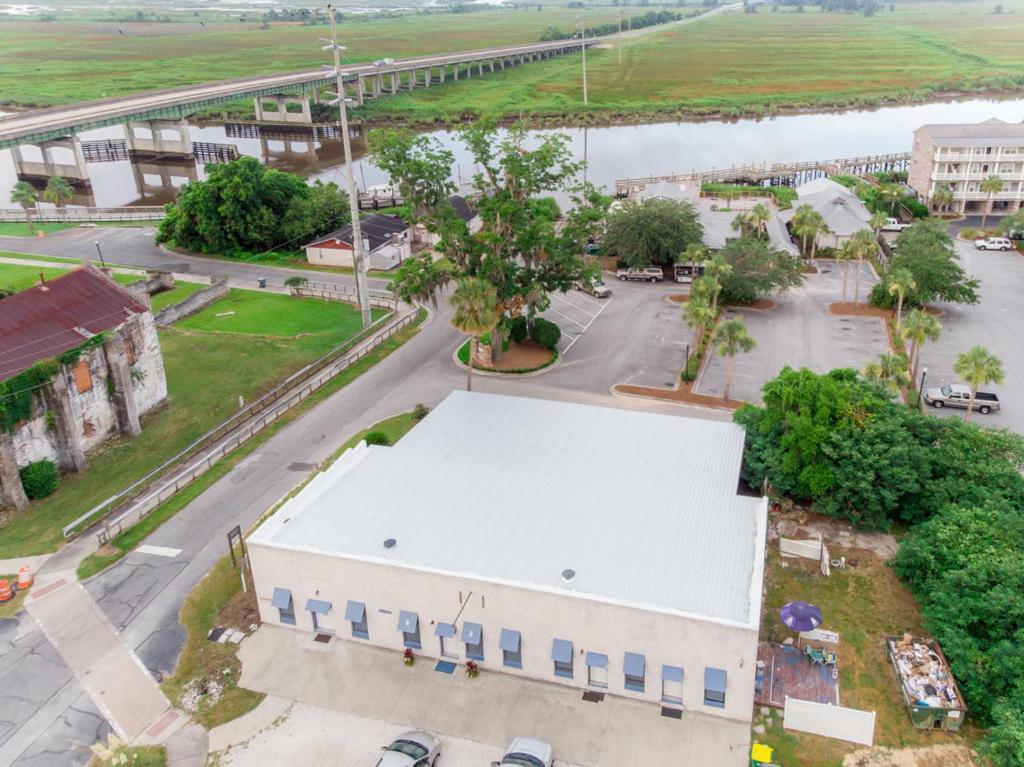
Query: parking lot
pixel 800 332
pixel 356 698
pixel 992 324
pixel 574 312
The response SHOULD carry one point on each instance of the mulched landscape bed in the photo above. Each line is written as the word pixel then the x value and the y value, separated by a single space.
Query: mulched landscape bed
pixel 527 355
pixel 682 393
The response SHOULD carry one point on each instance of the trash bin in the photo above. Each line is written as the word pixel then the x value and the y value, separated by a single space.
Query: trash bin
pixel 263 282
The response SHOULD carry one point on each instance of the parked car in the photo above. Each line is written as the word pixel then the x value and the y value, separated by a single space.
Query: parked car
pixel 641 274
pixel 959 395
pixel 894 225
pixel 527 752
pixel 596 288
pixel 415 748
pixel 993 243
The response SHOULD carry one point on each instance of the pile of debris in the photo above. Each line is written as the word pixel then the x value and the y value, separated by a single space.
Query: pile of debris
pixel 924 674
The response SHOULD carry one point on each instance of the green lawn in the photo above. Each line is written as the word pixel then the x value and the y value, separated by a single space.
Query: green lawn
pixel 206 373
pixel 863 603
pixel 179 292
pixel 19 277
pixel 8 229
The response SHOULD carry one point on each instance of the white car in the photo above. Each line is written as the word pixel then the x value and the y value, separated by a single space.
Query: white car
pixel 527 752
pixel 993 243
pixel 894 225
pixel 415 748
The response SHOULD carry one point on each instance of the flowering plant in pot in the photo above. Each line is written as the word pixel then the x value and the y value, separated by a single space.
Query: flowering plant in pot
pixel 472 669
pixel 408 657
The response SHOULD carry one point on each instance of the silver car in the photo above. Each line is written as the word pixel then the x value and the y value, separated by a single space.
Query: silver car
pixel 527 752
pixel 415 748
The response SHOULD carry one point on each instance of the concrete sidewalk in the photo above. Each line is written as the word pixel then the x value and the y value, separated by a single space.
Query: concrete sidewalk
pixel 105 666
pixel 374 684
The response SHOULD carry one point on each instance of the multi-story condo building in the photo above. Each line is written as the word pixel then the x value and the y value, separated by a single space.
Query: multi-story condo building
pixel 961 157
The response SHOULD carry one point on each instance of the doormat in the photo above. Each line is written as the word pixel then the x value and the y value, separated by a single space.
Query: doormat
pixel 593 697
pixel 322 638
pixel 445 667
pixel 671 713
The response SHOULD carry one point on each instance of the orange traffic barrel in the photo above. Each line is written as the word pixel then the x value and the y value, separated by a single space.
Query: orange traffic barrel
pixel 6 595
pixel 24 578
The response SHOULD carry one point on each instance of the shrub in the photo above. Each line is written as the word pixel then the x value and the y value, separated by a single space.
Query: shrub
pixel 377 438
pixel 420 412
pixel 918 209
pixel 39 479
pixel 518 329
pixel 545 333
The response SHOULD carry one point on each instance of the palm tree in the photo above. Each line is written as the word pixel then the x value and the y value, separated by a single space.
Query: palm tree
pixel 716 268
pixel 475 312
pixel 25 195
pixel 900 282
pixel 978 366
pixel 890 372
pixel 58 191
pixel 812 226
pixel 891 193
pixel 699 315
pixel 742 224
pixel 864 244
pixel 758 218
pixel 876 222
pixel 731 338
pixel 942 197
pixel 918 327
pixel 992 185
pixel 797 224
pixel 846 254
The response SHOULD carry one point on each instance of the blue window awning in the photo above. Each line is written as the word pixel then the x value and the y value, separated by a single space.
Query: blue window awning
pixel 672 673
pixel 282 599
pixel 714 680
pixel 445 630
pixel 561 651
pixel 510 640
pixel 318 606
pixel 633 664
pixel 597 660
pixel 471 632
pixel 355 611
pixel 408 622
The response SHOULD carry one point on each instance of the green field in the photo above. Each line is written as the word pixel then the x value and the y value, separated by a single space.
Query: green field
pixel 44 63
pixel 16 229
pixel 179 292
pixel 760 63
pixel 19 278
pixel 208 365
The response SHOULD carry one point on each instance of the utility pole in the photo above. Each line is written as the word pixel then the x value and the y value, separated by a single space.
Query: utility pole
pixel 583 49
pixel 358 251
pixel 620 34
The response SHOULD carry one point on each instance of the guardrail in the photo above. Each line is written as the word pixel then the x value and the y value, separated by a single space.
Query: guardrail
pixel 179 471
pixel 80 215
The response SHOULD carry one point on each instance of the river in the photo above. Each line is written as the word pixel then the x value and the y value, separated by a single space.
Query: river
pixel 614 152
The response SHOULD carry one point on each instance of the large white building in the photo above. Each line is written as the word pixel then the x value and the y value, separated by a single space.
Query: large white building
pixel 599 548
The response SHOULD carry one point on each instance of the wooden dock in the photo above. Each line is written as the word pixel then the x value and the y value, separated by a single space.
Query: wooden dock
pixel 776 174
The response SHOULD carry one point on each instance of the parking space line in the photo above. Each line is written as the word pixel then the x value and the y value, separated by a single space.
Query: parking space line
pixel 577 322
pixel 584 330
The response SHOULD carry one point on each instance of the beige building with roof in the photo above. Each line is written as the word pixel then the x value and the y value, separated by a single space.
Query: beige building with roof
pixel 598 548
pixel 962 156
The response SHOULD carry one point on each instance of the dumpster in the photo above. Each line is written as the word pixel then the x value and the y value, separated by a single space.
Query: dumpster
pixel 930 692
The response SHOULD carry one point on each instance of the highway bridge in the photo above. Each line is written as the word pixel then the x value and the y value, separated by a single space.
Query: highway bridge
pixel 363 81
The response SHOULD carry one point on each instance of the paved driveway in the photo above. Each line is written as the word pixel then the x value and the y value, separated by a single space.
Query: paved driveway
pixel 992 324
pixel 377 697
pixel 800 332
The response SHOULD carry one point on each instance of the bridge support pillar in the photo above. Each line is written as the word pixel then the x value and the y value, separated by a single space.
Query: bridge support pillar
pixel 442 69
pixel 283 108
pixel 61 157
pixel 158 137
pixel 427 76
pixel 411 76
pixel 394 83
pixel 455 73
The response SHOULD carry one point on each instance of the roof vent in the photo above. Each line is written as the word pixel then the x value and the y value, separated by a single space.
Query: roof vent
pixel 568 574
pixel 389 543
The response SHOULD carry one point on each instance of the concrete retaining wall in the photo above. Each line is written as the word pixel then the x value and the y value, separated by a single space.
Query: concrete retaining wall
pixel 194 303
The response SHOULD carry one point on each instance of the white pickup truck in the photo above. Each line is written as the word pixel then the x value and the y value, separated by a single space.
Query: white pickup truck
pixel 959 395
pixel 894 225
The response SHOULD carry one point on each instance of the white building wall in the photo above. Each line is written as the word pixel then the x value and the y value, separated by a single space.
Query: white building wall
pixel 387 256
pixel 330 256
pixel 610 629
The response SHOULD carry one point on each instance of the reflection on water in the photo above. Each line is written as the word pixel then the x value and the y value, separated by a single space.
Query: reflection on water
pixel 146 163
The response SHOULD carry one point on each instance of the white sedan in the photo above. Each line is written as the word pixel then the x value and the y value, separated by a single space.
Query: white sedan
pixel 415 748
pixel 527 752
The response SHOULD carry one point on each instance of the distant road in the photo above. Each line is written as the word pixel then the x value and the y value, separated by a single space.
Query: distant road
pixel 58 120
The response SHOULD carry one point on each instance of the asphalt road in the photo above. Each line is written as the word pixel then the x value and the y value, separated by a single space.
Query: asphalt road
pixel 45 719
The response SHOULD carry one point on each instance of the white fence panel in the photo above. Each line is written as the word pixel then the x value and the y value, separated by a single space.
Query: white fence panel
pixel 831 721
pixel 806 549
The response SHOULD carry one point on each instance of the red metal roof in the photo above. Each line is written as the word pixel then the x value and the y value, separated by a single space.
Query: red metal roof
pixel 40 323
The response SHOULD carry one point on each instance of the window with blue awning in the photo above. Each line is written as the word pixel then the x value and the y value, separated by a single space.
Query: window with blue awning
pixel 282 600
pixel 561 654
pixel 714 687
pixel 318 606
pixel 634 666
pixel 472 635
pixel 597 660
pixel 409 625
pixel 355 611
pixel 511 652
pixel 671 673
pixel 446 630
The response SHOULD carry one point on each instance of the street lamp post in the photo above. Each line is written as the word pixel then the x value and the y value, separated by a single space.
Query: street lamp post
pixel 358 251
pixel 920 389
pixel 103 264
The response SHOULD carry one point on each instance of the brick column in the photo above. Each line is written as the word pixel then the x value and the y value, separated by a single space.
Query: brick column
pixel 11 492
pixel 70 452
pixel 127 410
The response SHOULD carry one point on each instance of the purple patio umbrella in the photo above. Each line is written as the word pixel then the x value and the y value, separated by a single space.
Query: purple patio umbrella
pixel 800 616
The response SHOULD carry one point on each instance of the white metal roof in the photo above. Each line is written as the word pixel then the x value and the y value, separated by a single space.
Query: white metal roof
pixel 642 507
pixel 992 132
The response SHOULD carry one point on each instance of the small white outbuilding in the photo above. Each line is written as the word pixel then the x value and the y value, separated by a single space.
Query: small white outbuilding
pixel 600 548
